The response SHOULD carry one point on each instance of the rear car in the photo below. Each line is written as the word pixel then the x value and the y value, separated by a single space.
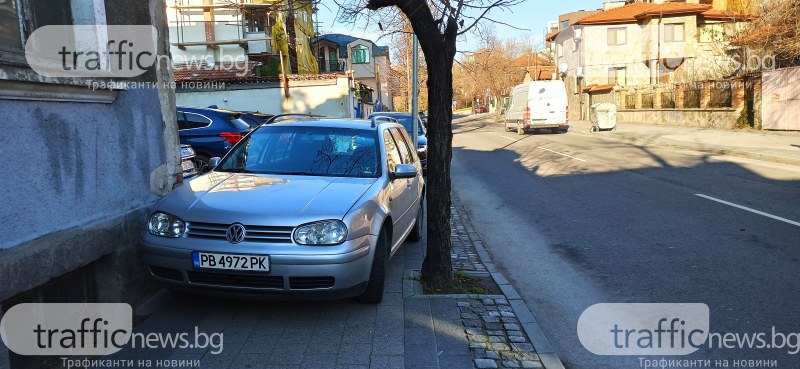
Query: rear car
pixel 298 209
pixel 210 132
pixel 422 140
pixel 537 105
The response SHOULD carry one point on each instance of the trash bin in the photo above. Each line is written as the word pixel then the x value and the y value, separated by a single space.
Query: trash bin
pixel 603 116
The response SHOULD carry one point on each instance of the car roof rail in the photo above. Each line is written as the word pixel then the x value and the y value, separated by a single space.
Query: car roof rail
pixel 276 117
pixel 382 118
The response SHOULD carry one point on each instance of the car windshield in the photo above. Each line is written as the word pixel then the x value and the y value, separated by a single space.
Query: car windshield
pixel 309 151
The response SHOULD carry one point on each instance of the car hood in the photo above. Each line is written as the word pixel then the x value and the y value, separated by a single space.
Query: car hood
pixel 254 199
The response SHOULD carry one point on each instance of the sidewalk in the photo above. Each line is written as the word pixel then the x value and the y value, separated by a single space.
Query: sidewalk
pixel 777 147
pixel 407 330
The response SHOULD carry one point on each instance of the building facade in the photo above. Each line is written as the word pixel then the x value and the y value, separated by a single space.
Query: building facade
pixel 369 63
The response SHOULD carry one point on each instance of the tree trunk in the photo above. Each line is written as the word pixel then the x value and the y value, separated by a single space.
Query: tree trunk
pixel 437 266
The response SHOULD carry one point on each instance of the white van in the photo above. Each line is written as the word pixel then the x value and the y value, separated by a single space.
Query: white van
pixel 537 105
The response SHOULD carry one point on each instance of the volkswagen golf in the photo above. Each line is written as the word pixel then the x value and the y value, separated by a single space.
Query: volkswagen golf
pixel 301 208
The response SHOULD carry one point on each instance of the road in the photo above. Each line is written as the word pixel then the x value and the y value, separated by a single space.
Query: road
pixel 576 219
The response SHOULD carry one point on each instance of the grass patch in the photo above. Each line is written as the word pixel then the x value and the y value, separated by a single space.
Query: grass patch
pixel 463 283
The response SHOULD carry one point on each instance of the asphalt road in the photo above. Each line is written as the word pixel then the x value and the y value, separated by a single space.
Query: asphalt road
pixel 577 219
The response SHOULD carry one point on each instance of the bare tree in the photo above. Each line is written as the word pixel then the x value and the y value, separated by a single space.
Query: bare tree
pixel 777 31
pixel 437 24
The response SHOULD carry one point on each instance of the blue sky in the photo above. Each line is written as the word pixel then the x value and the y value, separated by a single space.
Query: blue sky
pixel 531 14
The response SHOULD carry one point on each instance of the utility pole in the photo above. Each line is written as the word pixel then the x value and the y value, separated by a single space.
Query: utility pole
pixel 414 97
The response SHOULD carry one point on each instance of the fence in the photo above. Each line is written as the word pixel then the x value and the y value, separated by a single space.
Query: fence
pixel 720 104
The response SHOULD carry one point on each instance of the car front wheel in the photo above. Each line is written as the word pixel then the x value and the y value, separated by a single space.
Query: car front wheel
pixel 377 277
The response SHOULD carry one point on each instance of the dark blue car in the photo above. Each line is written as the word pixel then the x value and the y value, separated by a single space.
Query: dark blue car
pixel 211 132
pixel 406 120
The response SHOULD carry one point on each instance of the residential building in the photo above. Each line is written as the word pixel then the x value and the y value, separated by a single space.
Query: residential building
pixel 645 43
pixel 224 31
pixel 535 67
pixel 90 156
pixel 368 62
pixel 565 21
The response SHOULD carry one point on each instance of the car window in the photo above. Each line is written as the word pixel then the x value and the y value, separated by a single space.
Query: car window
pixel 392 155
pixel 194 120
pixel 309 151
pixel 236 121
pixel 182 122
pixel 402 145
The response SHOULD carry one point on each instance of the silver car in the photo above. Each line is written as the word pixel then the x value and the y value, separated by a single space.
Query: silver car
pixel 303 208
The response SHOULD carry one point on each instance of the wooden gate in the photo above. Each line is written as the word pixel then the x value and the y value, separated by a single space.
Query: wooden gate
pixel 780 101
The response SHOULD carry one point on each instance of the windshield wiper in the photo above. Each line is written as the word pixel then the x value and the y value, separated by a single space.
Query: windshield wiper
pixel 235 170
pixel 299 174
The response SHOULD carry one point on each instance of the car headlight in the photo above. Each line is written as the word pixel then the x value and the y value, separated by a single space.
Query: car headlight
pixel 166 225
pixel 324 233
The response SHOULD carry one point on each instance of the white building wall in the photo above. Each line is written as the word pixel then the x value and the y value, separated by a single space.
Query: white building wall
pixel 330 99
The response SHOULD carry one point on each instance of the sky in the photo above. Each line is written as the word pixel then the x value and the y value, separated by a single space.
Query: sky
pixel 532 15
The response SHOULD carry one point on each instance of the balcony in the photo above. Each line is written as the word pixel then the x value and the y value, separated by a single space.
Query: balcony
pixel 332 66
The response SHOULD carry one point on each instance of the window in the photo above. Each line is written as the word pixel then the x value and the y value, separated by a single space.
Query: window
pixel 405 152
pixel 392 155
pixel 617 36
pixel 193 121
pixel 359 54
pixel 36 14
pixel 564 24
pixel 306 151
pixel 10 37
pixel 617 76
pixel 673 32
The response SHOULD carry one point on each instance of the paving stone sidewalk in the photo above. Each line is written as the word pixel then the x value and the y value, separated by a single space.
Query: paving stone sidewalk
pixel 407 330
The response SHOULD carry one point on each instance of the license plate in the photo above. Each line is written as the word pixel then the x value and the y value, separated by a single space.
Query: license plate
pixel 206 260
pixel 187 165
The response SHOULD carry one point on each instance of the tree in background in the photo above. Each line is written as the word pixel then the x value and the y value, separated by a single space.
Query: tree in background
pixel 777 31
pixel 437 24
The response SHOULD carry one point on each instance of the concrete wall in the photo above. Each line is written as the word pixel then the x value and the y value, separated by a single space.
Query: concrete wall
pixel 702 118
pixel 331 98
pixel 86 165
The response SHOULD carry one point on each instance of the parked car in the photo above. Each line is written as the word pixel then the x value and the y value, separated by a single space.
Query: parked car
pixel 481 109
pixel 306 207
pixel 537 105
pixel 422 140
pixel 210 132
pixel 187 162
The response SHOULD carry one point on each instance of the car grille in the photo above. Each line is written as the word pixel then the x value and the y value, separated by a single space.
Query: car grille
pixel 262 234
pixel 236 280
pixel 307 283
pixel 167 273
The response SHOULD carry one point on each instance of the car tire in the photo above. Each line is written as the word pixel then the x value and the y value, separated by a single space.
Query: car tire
pixel 416 232
pixel 201 162
pixel 377 276
pixel 556 131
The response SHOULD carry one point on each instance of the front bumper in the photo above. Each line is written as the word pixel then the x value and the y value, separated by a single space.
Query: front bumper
pixel 295 275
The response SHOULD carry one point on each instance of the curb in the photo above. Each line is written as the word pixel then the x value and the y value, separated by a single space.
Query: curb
pixel 711 149
pixel 533 330
pixel 541 344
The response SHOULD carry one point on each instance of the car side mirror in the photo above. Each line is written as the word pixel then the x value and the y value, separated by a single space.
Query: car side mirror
pixel 213 162
pixel 404 171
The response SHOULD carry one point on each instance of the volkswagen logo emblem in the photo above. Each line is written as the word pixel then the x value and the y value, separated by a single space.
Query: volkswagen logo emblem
pixel 235 233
